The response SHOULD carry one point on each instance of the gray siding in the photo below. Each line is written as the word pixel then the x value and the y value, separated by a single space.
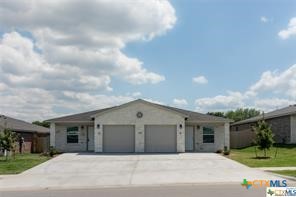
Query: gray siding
pixel 281 128
pixel 293 129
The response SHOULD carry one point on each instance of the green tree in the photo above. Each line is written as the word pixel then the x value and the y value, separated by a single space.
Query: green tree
pixel 238 114
pixel 219 114
pixel 7 141
pixel 264 136
pixel 41 123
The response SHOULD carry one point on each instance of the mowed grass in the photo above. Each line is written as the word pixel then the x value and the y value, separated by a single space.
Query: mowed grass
pixel 21 163
pixel 286 156
pixel 286 172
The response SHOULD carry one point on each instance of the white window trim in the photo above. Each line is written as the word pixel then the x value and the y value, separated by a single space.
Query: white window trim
pixel 208 134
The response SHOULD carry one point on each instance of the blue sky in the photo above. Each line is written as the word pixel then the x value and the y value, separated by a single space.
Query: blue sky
pixel 226 41
pixel 242 51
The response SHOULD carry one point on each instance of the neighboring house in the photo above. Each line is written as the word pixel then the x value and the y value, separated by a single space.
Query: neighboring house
pixel 36 138
pixel 139 126
pixel 282 122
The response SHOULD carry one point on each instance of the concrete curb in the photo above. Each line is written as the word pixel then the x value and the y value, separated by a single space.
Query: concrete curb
pixel 118 187
pixel 283 176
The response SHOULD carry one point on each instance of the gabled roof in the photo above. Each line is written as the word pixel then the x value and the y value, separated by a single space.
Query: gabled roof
pixel 145 102
pixel 81 117
pixel 290 110
pixel 20 125
pixel 199 117
pixel 189 115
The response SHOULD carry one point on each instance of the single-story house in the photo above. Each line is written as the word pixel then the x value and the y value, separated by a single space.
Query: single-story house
pixel 36 138
pixel 282 122
pixel 139 126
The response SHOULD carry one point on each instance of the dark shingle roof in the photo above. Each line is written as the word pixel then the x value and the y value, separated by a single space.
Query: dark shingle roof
pixel 290 110
pixel 20 125
pixel 191 115
pixel 195 116
pixel 81 117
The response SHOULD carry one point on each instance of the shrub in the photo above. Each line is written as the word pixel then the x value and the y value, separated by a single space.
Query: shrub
pixel 264 136
pixel 7 141
pixel 53 151
pixel 225 148
pixel 226 152
pixel 219 151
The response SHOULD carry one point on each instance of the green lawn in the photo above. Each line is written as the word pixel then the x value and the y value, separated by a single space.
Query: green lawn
pixel 286 156
pixel 286 172
pixel 20 163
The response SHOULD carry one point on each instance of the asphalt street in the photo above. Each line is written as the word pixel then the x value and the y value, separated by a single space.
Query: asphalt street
pixel 170 191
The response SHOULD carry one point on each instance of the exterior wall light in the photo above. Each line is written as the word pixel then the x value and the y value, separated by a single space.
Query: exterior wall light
pixel 98 126
pixel 180 126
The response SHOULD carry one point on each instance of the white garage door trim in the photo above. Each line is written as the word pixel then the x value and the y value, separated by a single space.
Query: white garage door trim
pixel 161 138
pixel 118 138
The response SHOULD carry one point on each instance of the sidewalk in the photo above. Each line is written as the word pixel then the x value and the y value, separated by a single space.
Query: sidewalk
pixel 276 168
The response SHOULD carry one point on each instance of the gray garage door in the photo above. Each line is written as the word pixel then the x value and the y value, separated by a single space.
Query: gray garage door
pixel 118 138
pixel 160 138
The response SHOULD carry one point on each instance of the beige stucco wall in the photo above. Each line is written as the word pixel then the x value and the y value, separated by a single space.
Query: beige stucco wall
pixel 61 138
pixel 152 115
pixel 220 139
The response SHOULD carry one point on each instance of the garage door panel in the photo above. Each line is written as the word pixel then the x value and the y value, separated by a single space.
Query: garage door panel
pixel 160 138
pixel 118 138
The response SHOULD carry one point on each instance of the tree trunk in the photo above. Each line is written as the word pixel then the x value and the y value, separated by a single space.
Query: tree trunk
pixel 276 152
pixel 5 154
pixel 264 152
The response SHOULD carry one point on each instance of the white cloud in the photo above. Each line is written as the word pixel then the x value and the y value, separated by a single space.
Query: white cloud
pixel 277 88
pixel 200 80
pixel 289 31
pixel 91 40
pixel 81 53
pixel 264 19
pixel 270 104
pixel 2 87
pixel 136 94
pixel 21 66
pixel 277 82
pixel 220 102
pixel 180 102
pixel 36 104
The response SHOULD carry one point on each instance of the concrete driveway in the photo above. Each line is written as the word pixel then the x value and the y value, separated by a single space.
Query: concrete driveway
pixel 75 170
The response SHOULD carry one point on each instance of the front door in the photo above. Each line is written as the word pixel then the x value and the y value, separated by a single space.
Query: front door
pixel 90 138
pixel 189 138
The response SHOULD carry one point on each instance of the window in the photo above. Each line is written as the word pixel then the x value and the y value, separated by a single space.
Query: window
pixel 208 135
pixel 72 135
